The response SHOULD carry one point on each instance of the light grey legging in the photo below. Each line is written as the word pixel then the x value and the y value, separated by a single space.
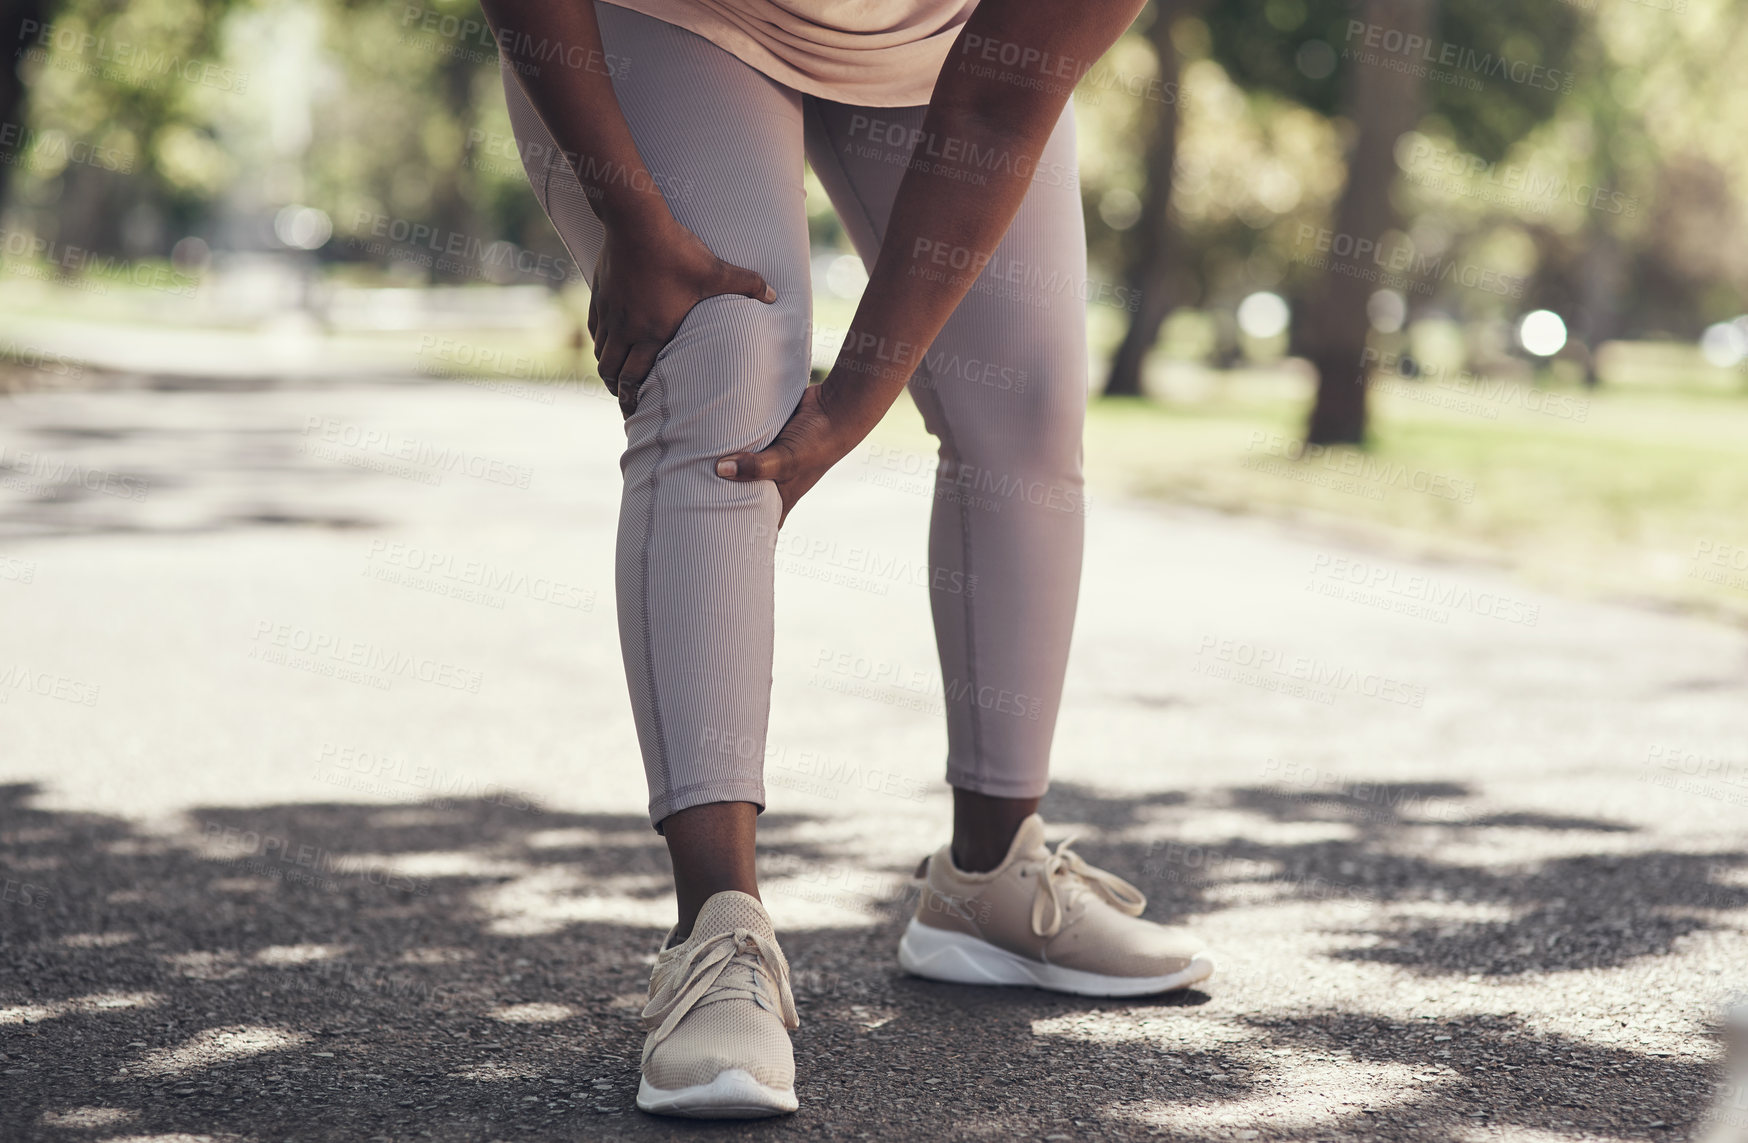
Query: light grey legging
pixel 1003 388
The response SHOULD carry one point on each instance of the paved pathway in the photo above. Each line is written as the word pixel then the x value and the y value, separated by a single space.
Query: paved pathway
pixel 320 816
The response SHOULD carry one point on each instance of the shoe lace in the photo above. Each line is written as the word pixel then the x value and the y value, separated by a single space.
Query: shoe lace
pixel 704 972
pixel 1065 875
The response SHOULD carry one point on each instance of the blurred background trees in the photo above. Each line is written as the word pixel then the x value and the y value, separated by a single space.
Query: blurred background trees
pixel 1585 159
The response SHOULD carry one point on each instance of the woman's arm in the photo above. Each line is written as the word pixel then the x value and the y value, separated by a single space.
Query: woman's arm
pixel 652 270
pixel 975 113
pixel 572 90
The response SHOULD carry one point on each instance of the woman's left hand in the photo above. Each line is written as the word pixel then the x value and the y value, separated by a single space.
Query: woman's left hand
pixel 810 443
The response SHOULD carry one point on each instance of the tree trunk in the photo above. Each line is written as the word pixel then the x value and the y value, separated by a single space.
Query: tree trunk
pixel 1150 272
pixel 1604 266
pixel 19 21
pixel 451 211
pixel 1382 103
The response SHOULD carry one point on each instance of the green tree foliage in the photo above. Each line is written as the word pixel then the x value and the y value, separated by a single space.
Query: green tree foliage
pixel 156 119
pixel 1302 49
pixel 119 107
pixel 414 134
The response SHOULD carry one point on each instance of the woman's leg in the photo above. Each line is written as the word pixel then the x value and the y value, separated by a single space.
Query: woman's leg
pixel 694 559
pixel 1004 389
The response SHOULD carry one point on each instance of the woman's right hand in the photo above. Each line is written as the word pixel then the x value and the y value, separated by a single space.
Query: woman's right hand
pixel 647 280
pixel 652 270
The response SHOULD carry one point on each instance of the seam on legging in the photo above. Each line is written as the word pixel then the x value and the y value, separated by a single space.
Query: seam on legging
pixel 543 192
pixel 967 597
pixel 811 106
pixel 655 706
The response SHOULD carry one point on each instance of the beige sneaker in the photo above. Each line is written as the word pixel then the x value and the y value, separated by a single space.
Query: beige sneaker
pixel 1045 919
pixel 719 1014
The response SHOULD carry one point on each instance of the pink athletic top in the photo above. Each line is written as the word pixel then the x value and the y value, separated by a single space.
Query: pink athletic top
pixel 871 53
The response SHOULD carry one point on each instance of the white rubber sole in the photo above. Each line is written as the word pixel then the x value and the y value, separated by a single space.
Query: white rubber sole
pixel 962 959
pixel 733 1094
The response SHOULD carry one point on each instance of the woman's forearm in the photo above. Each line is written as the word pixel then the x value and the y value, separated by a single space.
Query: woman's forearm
pixel 555 52
pixel 997 100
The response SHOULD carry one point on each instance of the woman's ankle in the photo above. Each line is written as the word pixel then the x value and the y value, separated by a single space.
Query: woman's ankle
pixel 713 848
pixel 984 828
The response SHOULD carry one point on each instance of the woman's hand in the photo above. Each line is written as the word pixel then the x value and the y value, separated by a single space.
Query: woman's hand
pixel 648 279
pixel 832 419
pixel 976 111
pixel 804 451
pixel 652 270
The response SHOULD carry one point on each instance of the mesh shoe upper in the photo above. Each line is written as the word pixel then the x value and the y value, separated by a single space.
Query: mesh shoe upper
pixel 1052 906
pixel 720 1000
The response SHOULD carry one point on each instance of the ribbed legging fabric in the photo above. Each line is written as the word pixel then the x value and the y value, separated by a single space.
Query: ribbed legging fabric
pixel 1003 389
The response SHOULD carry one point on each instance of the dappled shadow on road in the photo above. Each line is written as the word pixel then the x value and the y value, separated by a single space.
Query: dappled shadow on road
pixel 72 480
pixel 1590 911
pixel 473 969
pixel 1573 913
pixel 74 463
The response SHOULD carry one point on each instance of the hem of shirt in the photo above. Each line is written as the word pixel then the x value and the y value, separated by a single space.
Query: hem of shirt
pixel 731 39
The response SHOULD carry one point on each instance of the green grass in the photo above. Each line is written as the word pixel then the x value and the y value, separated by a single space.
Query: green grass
pixel 1618 503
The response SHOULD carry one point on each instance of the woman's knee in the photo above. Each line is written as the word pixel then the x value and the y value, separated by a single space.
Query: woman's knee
pixel 1021 406
pixel 728 380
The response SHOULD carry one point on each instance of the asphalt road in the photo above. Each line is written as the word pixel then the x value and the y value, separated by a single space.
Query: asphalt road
pixel 320 814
